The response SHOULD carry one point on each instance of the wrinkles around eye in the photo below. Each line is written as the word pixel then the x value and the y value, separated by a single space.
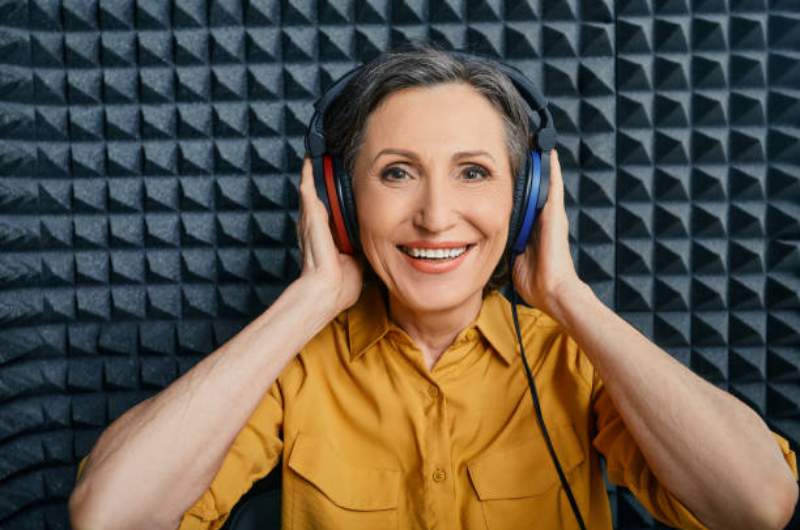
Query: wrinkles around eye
pixel 397 174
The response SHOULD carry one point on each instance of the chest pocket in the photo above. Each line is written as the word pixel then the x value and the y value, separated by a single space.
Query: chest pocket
pixel 330 492
pixel 518 485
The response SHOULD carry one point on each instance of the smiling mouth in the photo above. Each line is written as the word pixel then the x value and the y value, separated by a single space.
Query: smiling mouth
pixel 434 254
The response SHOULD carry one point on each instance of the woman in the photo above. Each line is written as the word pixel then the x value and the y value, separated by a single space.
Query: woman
pixel 407 405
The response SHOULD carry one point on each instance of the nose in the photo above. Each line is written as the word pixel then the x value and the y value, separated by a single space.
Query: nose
pixel 437 205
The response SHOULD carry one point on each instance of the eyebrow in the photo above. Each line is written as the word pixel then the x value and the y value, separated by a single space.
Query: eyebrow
pixel 414 156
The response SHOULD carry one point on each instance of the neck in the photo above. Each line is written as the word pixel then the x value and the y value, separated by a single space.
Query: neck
pixel 434 331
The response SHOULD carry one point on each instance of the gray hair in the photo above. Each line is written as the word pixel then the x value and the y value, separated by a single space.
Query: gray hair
pixel 425 64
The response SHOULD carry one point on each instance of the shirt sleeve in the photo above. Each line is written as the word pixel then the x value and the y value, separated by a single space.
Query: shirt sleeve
pixel 626 465
pixel 252 455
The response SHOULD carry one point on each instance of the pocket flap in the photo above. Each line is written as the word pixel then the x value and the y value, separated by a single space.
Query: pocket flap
pixel 355 487
pixel 526 469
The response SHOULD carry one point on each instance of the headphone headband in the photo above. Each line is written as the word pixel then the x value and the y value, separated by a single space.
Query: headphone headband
pixel 545 135
pixel 315 139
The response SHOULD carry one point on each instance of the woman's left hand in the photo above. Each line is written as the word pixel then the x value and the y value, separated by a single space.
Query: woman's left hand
pixel 545 269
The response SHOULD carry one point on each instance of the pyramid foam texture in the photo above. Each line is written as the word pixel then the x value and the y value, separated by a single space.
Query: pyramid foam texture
pixel 149 167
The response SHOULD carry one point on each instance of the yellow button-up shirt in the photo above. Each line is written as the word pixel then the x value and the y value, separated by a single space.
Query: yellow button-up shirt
pixel 372 439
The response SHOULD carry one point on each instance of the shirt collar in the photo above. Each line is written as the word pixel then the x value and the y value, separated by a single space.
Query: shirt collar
pixel 368 322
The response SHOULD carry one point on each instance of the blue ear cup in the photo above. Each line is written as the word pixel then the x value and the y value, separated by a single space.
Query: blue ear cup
pixel 535 197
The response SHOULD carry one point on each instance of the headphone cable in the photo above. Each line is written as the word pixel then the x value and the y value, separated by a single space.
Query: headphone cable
pixel 538 409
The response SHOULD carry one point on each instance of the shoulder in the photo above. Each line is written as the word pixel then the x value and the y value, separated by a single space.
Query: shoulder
pixel 537 318
pixel 544 335
pixel 533 322
pixel 323 354
pixel 332 336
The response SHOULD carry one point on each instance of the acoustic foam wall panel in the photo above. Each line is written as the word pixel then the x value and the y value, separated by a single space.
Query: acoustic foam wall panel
pixel 707 201
pixel 150 155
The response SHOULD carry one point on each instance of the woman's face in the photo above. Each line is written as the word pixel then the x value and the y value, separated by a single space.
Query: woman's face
pixel 433 173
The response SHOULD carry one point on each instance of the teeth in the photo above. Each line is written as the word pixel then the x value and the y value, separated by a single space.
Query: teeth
pixel 431 253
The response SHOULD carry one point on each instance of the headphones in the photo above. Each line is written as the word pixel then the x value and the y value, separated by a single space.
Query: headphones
pixel 334 188
pixel 334 185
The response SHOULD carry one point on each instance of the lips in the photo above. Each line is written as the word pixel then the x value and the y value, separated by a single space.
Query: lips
pixel 435 257
pixel 435 244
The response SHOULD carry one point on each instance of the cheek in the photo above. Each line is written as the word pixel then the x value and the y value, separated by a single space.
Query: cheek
pixel 491 215
pixel 378 215
pixel 374 211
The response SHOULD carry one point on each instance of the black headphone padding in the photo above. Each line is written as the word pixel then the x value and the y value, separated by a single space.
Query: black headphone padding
pixel 521 185
pixel 544 180
pixel 348 202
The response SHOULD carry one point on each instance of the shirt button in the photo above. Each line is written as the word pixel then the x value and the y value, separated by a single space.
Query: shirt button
pixel 439 475
pixel 433 391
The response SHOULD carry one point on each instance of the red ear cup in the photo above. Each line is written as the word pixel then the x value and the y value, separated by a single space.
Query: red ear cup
pixel 347 203
pixel 334 209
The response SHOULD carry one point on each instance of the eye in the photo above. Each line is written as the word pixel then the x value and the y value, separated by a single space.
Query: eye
pixel 475 173
pixel 394 174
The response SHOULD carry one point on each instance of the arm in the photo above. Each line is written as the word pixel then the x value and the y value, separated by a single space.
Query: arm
pixel 705 446
pixel 178 439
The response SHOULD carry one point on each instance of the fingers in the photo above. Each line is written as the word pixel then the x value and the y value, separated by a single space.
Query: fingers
pixel 309 213
pixel 556 179
pixel 306 179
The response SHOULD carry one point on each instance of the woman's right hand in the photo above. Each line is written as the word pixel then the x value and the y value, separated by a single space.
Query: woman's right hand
pixel 337 276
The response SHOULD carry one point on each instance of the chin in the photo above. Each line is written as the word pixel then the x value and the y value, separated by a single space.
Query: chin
pixel 437 293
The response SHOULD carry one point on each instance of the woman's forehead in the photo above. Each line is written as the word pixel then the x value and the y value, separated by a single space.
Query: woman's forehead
pixel 444 117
